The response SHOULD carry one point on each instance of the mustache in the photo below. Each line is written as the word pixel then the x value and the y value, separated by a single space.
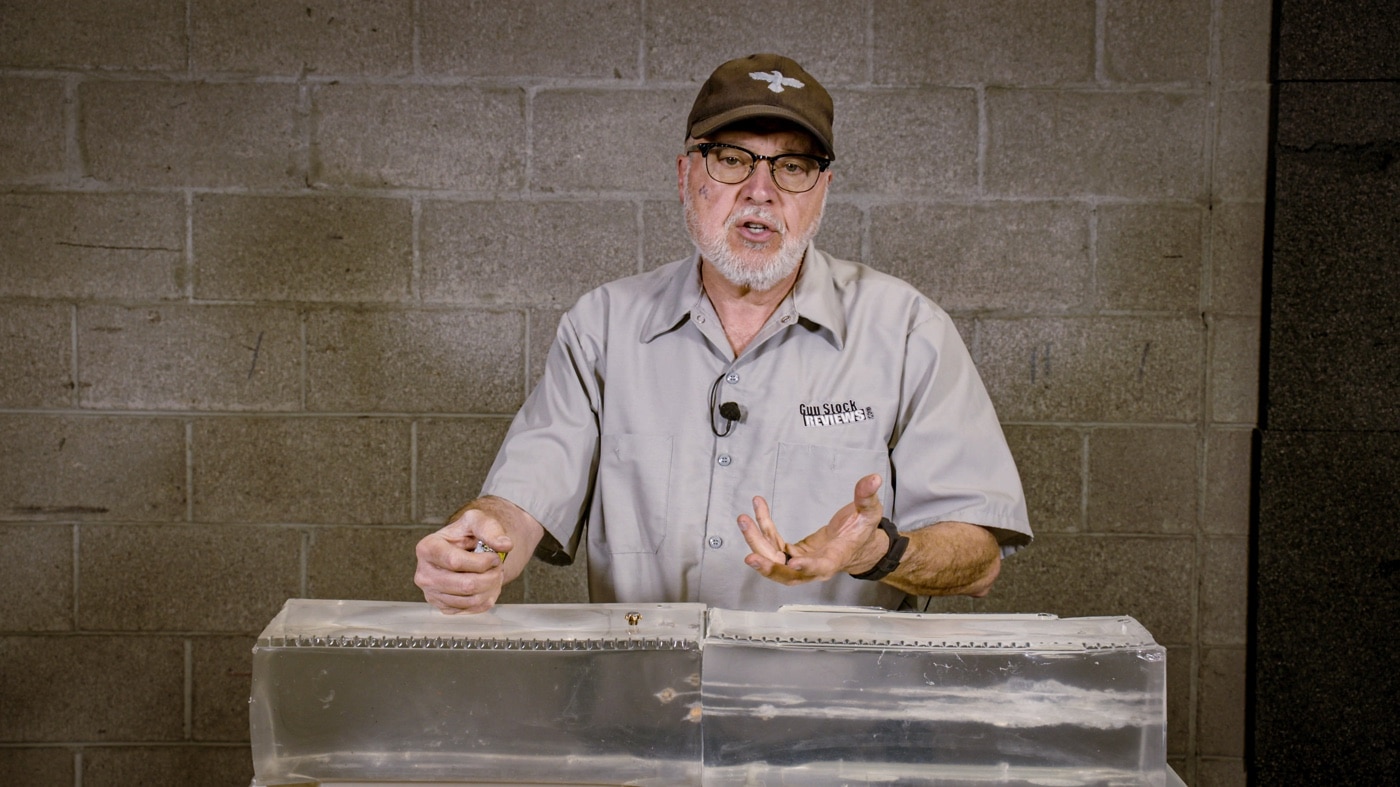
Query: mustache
pixel 755 212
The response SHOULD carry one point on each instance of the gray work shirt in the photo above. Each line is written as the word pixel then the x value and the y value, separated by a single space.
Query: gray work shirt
pixel 855 373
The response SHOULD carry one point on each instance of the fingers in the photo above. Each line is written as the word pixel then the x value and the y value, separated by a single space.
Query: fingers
pixel 772 555
pixel 452 605
pixel 762 535
pixel 452 576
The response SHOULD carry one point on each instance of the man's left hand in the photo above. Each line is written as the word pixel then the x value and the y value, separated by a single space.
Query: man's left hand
pixel 851 542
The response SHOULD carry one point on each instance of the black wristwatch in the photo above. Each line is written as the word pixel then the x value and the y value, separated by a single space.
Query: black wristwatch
pixel 890 561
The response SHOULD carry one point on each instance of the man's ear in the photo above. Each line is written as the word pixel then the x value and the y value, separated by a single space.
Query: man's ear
pixel 682 167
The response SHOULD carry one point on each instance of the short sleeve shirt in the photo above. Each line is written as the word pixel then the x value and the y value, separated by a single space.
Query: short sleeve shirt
pixel 621 445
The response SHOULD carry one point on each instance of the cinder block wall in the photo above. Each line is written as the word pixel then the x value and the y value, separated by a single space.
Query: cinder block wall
pixel 275 275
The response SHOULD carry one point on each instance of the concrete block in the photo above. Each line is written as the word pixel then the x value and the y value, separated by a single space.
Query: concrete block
pixel 1092 369
pixel 1143 480
pixel 906 142
pixel 36 352
pixel 189 357
pixel 216 765
pixel 454 456
pixel 80 34
pixel 664 236
pixel 92 688
pixel 1245 32
pixel 418 136
pixel 36 578
pixel 184 577
pixel 71 468
pixel 540 38
pixel 519 253
pixel 363 562
pixel 1157 40
pixel 314 470
pixel 321 37
pixel 192 134
pixel 842 233
pixel 1234 370
pixel 1002 42
pixel 1228 468
pixel 1223 686
pixel 221 682
pixel 1149 578
pixel 418 361
pixel 1224 591
pixel 686 42
pixel 33 135
pixel 577 143
pixel 1051 462
pixel 48 765
pixel 1024 256
pixel 1242 146
pixel 1237 257
pixel 1045 143
pixel 546 584
pixel 1148 258
pixel 64 246
pixel 302 248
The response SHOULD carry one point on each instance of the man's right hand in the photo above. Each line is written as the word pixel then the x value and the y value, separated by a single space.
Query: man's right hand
pixel 454 576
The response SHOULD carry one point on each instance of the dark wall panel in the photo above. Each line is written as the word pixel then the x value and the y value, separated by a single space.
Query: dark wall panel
pixel 1326 592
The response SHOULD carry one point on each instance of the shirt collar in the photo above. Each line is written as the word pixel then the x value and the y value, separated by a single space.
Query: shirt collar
pixel 814 298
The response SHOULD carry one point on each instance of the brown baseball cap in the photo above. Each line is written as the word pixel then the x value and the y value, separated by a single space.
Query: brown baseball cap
pixel 762 86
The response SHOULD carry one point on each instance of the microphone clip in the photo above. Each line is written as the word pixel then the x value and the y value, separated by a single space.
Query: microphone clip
pixel 731 412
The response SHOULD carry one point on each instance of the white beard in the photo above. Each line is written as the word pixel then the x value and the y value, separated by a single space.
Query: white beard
pixel 751 266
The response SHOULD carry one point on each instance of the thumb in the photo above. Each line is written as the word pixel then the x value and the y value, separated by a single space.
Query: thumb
pixel 867 497
pixel 475 525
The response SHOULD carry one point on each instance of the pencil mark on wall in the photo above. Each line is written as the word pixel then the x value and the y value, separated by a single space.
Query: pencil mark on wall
pixel 257 348
pixel 1040 362
pixel 1142 362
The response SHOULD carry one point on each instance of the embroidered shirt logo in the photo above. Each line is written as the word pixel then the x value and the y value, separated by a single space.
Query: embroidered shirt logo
pixel 834 413
pixel 775 79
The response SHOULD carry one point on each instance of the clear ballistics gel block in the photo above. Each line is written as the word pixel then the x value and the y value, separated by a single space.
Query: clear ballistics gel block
pixel 351 692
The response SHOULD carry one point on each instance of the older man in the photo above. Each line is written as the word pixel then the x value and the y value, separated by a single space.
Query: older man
pixel 834 402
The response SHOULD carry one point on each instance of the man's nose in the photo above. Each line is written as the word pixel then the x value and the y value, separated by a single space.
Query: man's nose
pixel 760 186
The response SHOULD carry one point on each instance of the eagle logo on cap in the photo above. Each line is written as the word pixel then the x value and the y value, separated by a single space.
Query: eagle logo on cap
pixel 775 79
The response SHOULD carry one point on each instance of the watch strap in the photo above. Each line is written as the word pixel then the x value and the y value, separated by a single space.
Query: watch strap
pixel 892 556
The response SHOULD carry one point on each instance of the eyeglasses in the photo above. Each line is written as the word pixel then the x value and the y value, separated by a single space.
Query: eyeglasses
pixel 793 172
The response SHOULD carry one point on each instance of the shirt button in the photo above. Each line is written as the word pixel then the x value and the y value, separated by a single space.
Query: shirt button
pixel 731 378
pixel 787 318
pixel 724 460
pixel 715 542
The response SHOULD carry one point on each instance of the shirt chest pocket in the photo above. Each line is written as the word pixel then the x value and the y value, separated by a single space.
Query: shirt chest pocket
pixel 813 482
pixel 634 491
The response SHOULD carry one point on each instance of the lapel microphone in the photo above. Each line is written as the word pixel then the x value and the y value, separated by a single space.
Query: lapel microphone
pixel 729 411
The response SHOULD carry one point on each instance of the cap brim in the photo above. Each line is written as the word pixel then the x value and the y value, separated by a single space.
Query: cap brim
pixel 710 125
